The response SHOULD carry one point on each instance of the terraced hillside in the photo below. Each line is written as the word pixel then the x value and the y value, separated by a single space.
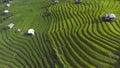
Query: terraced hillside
pixel 67 35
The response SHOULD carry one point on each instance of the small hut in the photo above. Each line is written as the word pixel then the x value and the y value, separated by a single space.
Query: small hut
pixel 18 30
pixel 8 5
pixel 78 1
pixel 109 17
pixel 6 11
pixel 56 1
pixel 31 32
pixel 9 1
pixel 10 26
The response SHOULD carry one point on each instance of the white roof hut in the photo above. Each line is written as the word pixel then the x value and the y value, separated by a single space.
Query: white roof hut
pixel 56 1
pixel 6 11
pixel 9 1
pixel 8 5
pixel 112 16
pixel 31 32
pixel 18 30
pixel 10 26
pixel 78 1
pixel 109 17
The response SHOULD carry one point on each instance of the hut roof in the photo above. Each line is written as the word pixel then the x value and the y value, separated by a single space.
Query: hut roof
pixel 6 11
pixel 112 16
pixel 56 1
pixel 109 17
pixel 31 31
pixel 8 5
pixel 9 26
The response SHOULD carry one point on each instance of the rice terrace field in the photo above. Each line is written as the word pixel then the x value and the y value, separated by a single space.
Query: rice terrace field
pixel 67 35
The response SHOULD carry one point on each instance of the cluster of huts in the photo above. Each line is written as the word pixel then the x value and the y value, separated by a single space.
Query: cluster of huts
pixel 107 17
pixel 11 25
pixel 8 5
pixel 29 32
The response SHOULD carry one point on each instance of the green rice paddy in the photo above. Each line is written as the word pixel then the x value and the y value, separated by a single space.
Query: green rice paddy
pixel 67 35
